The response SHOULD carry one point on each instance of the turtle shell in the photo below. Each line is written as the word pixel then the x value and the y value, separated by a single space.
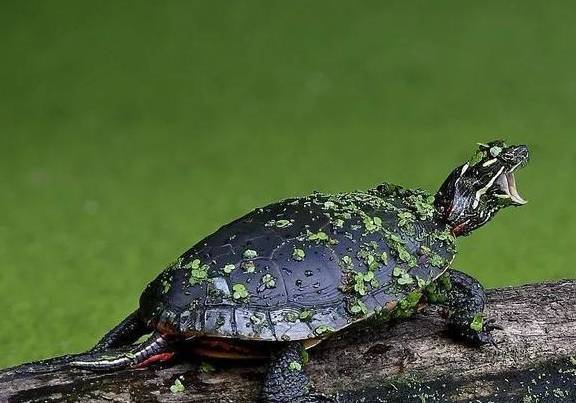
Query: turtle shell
pixel 302 268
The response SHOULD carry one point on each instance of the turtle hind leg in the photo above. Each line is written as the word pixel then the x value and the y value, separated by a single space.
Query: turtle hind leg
pixel 123 334
pixel 285 379
pixel 466 301
pixel 155 348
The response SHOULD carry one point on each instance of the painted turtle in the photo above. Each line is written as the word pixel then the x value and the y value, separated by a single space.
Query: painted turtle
pixel 291 273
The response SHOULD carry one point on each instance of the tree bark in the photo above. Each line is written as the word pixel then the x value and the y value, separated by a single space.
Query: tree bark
pixel 409 361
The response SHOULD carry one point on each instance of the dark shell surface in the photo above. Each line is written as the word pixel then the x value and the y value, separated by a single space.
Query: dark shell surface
pixel 302 268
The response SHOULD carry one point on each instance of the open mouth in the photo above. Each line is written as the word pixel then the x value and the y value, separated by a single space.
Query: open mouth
pixel 507 183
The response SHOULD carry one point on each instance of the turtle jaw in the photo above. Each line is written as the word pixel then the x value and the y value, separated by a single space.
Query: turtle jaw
pixel 506 181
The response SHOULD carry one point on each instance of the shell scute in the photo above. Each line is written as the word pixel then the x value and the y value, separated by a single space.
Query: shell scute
pixel 221 319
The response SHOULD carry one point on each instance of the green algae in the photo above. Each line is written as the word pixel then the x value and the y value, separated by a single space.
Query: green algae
pixel 298 254
pixel 239 291
pixel 477 323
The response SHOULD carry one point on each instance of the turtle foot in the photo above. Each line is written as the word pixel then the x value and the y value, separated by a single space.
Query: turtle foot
pixel 476 338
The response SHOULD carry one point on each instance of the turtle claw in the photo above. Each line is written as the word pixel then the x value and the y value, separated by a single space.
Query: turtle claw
pixel 462 331
pixel 484 337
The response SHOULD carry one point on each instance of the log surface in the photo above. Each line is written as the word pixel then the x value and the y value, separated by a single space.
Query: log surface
pixel 409 361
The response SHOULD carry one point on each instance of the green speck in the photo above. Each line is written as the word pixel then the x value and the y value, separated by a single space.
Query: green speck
pixel 424 206
pixel 358 308
pixel 228 268
pixel 405 218
pixel 305 357
pixel 384 258
pixel 347 262
pixel 405 279
pixel 283 223
pixel 407 305
pixel 407 257
pixel 258 318
pixel 398 272
pixel 573 360
pixel 368 258
pixel 339 223
pixel 318 236
pixel 206 368
pixel 268 281
pixel 436 260
pixel 295 366
pixel 360 288
pixel 477 157
pixel 372 224
pixel 165 286
pixel 329 205
pixel 477 323
pixel 445 236
pixel 444 282
pixel 323 329
pixel 290 316
pixel 395 239
pixel 248 266
pixel 198 273
pixel 305 315
pixel 298 254
pixel 194 264
pixel 177 386
pixel 421 282
pixel 250 254
pixel 495 151
pixel 239 291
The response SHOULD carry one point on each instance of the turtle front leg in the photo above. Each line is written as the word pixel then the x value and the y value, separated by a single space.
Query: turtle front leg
pixel 286 380
pixel 466 300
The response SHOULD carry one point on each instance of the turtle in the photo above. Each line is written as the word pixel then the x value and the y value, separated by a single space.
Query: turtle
pixel 286 276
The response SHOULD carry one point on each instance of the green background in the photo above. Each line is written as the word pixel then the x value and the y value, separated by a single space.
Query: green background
pixel 129 130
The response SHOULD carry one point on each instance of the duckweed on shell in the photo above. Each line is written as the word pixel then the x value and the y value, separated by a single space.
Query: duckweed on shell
pixel 198 272
pixel 298 254
pixel 248 266
pixel 268 281
pixel 274 261
pixel 323 330
pixel 250 254
pixel 305 315
pixel 318 236
pixel 239 291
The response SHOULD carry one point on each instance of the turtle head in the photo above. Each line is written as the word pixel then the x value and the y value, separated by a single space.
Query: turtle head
pixel 476 191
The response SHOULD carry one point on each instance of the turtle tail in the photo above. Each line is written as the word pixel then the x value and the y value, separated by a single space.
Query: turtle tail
pixel 123 334
pixel 155 348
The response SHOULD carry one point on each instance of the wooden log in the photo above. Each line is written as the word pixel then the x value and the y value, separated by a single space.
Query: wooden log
pixel 409 361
